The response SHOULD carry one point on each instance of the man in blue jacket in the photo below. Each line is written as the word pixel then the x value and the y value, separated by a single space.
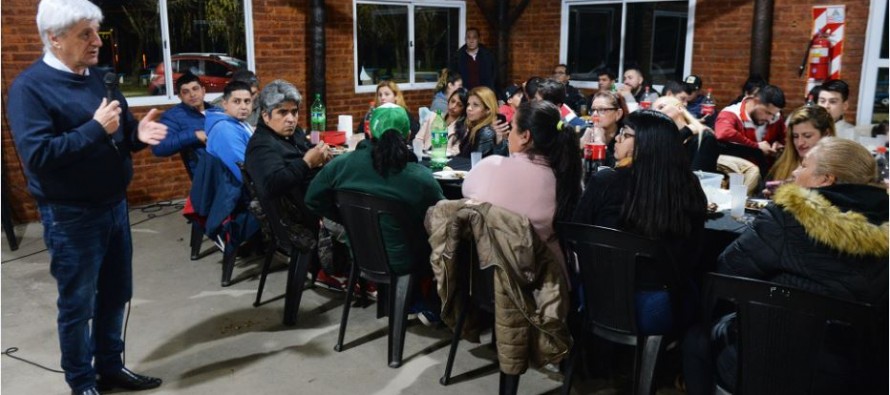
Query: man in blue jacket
pixel 228 132
pixel 185 129
pixel 75 145
pixel 185 122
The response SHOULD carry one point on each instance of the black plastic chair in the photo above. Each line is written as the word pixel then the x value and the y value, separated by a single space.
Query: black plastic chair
pixel 784 332
pixel 360 214
pixel 476 288
pixel 220 200
pixel 610 263
pixel 279 238
pixel 197 235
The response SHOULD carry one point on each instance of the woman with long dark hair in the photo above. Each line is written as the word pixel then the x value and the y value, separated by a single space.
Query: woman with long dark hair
pixel 456 115
pixel 652 192
pixel 541 179
pixel 449 81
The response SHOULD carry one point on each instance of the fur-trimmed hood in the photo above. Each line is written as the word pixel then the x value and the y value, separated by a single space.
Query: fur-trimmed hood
pixel 849 218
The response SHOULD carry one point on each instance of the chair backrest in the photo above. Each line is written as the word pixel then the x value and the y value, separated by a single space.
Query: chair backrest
pixel 255 207
pixel 785 333
pixel 610 261
pixel 188 156
pixel 289 227
pixel 361 214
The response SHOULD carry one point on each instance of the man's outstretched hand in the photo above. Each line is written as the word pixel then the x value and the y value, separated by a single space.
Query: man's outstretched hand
pixel 151 131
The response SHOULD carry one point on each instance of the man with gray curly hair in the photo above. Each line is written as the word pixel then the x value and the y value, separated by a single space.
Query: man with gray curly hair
pixel 279 159
pixel 75 140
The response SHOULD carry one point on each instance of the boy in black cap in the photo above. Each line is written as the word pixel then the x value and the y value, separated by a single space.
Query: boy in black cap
pixel 512 97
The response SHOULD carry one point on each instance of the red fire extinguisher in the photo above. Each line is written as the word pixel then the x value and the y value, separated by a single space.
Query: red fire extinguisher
pixel 820 56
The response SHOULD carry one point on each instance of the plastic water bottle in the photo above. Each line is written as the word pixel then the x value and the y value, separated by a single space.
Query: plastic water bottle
pixel 317 115
pixel 439 137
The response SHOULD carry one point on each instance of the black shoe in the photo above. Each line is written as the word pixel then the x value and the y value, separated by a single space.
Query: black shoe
pixel 88 391
pixel 127 380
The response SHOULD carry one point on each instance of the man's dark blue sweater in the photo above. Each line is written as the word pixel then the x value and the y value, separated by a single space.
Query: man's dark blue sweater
pixel 67 156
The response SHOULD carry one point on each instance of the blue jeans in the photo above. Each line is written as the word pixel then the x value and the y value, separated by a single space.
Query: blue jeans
pixel 91 255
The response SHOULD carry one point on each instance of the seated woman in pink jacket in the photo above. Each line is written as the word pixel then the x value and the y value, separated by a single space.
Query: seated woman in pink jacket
pixel 541 179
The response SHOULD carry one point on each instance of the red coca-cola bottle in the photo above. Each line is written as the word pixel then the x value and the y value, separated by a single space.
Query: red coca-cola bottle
pixel 707 106
pixel 367 122
pixel 647 100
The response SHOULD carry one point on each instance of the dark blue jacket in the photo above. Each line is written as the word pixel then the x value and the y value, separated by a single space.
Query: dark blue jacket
pixel 488 74
pixel 67 156
pixel 218 198
pixel 182 121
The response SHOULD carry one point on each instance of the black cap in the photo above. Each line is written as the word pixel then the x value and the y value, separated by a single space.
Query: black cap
pixel 694 81
pixel 510 91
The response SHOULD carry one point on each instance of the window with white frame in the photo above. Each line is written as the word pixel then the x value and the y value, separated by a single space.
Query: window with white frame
pixel 653 35
pixel 873 102
pixel 143 39
pixel 405 41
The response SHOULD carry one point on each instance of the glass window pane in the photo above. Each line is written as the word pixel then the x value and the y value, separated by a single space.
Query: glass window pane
pixel 382 34
pixel 594 40
pixel 131 45
pixel 207 38
pixel 881 104
pixel 436 40
pixel 655 39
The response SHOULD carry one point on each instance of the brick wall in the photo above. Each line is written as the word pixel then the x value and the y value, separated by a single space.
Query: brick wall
pixel 721 50
pixel 282 52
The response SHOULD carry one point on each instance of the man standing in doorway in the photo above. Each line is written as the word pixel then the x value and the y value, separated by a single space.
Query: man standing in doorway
pixel 475 63
pixel 76 144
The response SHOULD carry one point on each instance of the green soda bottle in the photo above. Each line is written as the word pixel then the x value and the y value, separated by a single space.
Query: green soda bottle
pixel 439 134
pixel 317 115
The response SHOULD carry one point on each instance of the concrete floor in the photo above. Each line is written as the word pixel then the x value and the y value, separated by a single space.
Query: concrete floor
pixel 204 339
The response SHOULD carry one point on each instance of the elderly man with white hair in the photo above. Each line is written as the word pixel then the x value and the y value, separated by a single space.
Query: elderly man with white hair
pixel 76 147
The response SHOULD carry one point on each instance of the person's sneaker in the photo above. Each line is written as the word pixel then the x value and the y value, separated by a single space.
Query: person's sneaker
pixel 330 282
pixel 428 318
pixel 370 290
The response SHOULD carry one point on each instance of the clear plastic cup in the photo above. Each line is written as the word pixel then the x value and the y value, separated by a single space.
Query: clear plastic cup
pixel 475 157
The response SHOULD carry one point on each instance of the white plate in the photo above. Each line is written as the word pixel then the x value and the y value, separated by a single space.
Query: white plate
pixel 450 175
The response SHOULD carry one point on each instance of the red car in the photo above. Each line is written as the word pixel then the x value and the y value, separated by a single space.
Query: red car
pixel 213 69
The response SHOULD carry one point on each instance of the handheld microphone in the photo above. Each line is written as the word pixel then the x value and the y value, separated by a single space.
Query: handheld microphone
pixel 110 81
